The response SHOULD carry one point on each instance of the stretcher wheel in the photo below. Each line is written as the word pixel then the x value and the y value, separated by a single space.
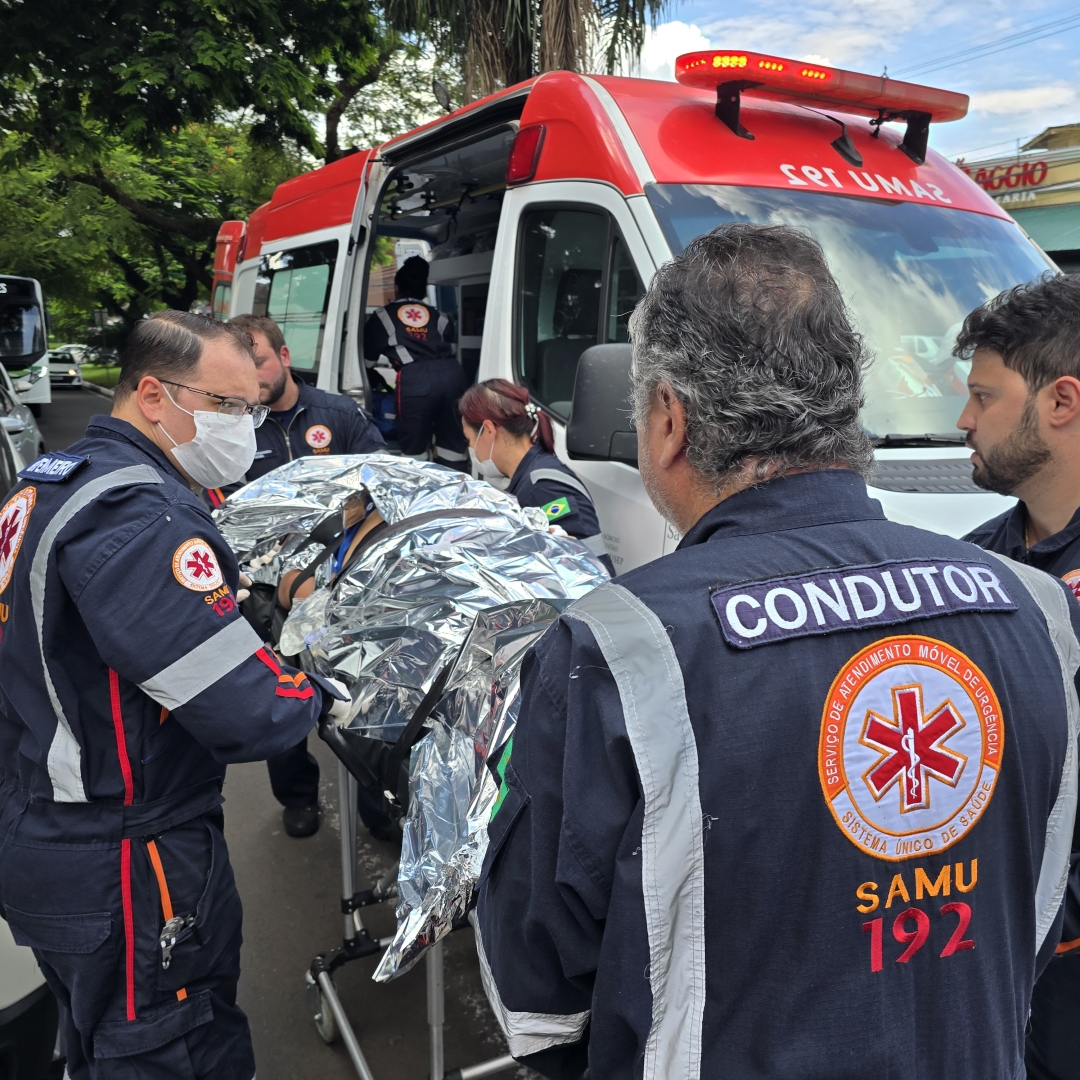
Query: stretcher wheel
pixel 324 1022
pixel 321 1012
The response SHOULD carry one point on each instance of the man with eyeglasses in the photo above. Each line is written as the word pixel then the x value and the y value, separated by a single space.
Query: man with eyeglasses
pixel 303 421
pixel 128 679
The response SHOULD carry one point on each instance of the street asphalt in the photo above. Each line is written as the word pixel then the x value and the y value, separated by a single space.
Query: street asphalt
pixel 291 893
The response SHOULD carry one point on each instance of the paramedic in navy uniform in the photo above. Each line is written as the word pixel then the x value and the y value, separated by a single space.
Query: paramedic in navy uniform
pixel 795 801
pixel 417 340
pixel 128 679
pixel 303 421
pixel 1023 422
pixel 511 437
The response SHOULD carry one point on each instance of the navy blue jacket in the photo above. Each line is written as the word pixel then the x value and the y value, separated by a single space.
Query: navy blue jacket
pixel 1058 555
pixel 128 677
pixel 405 331
pixel 542 480
pixel 776 805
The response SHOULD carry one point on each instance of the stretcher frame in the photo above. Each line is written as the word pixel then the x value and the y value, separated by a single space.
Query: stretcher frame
pixel 357 942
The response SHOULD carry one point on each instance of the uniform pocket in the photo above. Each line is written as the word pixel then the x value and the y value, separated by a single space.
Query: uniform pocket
pixel 154 1042
pixel 77 935
pixel 200 880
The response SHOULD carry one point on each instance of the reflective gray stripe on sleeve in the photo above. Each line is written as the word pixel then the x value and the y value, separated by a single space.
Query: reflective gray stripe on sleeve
pixel 65 754
pixel 560 478
pixel 199 669
pixel 642 660
pixel 1054 873
pixel 595 544
pixel 391 333
pixel 526 1032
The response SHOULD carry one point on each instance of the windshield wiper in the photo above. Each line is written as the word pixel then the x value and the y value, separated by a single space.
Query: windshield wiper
pixel 887 442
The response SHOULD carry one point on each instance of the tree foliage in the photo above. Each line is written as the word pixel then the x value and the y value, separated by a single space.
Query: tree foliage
pixel 507 41
pixel 90 251
pixel 74 74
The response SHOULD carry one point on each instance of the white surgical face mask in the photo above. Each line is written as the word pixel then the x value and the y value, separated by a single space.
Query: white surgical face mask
pixel 222 450
pixel 487 468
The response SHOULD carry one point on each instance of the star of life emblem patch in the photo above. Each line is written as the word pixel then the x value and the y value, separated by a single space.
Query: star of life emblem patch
pixel 911 744
pixel 195 566
pixel 318 436
pixel 414 315
pixel 14 518
pixel 1072 579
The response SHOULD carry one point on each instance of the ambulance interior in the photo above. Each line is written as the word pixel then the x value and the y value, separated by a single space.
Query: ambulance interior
pixel 448 205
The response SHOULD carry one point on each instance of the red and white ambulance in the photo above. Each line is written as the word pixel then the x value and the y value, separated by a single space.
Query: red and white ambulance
pixel 545 209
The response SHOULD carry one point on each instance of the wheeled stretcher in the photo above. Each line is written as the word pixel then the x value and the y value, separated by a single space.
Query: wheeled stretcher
pixel 425 622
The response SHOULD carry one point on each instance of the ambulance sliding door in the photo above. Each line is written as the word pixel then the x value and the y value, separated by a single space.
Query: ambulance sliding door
pixel 570 265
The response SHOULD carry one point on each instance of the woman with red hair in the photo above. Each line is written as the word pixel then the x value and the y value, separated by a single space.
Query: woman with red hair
pixel 511 437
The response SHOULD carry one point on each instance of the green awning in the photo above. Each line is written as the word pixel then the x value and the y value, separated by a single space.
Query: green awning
pixel 1053 228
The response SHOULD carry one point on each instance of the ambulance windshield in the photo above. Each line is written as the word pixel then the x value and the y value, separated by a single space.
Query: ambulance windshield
pixel 909 273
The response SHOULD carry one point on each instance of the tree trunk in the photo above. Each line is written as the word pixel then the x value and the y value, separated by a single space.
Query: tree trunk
pixel 347 89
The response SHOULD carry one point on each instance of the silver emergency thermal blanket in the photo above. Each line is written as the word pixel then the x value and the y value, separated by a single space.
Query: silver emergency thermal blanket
pixel 400 612
pixel 452 792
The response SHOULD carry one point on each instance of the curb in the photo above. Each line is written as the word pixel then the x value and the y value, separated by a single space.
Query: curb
pixel 94 388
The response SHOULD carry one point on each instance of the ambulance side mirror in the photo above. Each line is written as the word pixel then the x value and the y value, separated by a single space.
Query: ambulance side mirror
pixel 600 428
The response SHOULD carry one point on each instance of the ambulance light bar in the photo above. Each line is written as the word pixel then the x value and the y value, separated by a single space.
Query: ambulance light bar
pixel 731 73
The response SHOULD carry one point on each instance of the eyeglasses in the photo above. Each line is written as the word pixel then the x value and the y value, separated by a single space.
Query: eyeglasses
pixel 231 407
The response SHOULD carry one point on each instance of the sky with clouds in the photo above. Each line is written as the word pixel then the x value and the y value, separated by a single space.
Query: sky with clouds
pixel 1015 93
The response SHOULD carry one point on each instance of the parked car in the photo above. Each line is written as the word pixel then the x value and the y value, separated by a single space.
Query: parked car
pixel 65 365
pixel 27 439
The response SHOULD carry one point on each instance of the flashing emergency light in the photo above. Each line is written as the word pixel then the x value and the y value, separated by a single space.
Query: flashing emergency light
pixel 732 73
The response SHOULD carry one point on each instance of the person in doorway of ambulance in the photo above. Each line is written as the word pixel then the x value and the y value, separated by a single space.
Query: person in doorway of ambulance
pixel 417 340
pixel 796 800
pixel 1023 422
pixel 302 421
pixel 510 437
pixel 128 679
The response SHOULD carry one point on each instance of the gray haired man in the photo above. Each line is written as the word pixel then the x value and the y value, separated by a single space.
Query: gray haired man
pixel 761 815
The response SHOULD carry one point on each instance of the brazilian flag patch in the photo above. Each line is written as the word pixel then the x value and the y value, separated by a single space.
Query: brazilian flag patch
pixel 557 509
pixel 500 772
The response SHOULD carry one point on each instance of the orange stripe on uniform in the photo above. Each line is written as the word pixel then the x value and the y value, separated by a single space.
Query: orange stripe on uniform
pixel 163 890
pixel 1068 946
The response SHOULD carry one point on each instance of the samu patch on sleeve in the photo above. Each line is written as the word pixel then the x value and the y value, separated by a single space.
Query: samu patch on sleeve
pixel 557 509
pixel 196 567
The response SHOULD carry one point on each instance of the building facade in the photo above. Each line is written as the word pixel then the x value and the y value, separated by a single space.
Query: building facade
pixel 1039 185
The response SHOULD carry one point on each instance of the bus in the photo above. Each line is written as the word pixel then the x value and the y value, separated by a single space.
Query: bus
pixel 24 339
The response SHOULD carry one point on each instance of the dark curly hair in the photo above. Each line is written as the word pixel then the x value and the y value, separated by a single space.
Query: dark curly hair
pixel 1035 328
pixel 749 329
